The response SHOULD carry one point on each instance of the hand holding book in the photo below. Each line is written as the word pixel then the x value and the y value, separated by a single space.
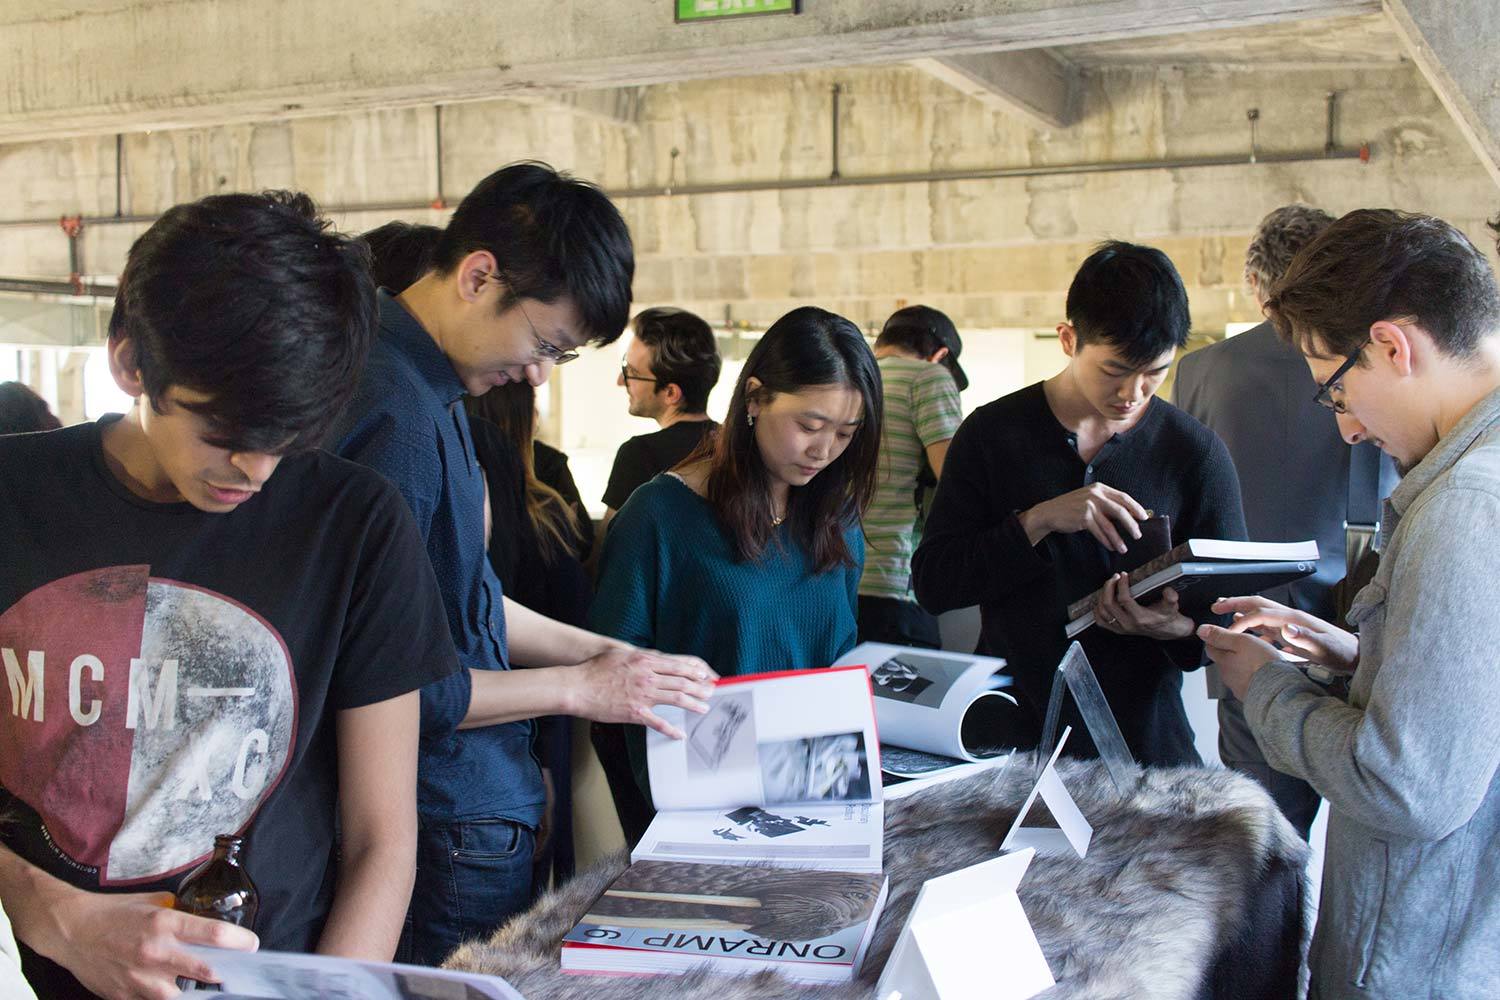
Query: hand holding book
pixel 1118 612
pixel 1110 515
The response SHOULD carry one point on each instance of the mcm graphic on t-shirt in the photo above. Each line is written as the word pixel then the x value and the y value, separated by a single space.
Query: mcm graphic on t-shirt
pixel 178 705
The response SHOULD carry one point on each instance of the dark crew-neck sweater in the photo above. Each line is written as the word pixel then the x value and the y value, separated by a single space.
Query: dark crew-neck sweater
pixel 1013 454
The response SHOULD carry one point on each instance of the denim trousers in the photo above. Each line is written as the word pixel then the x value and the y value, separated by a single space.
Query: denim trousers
pixel 472 876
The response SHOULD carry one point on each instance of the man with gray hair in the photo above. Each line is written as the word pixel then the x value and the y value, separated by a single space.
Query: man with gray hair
pixel 1254 391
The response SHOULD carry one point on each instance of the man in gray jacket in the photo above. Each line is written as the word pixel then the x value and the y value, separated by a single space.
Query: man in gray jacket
pixel 1399 319
pixel 1254 391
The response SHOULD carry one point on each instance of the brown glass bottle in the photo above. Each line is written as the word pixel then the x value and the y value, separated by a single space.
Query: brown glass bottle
pixel 220 888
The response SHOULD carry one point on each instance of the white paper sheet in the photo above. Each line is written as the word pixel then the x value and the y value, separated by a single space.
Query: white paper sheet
pixel 1072 832
pixel 968 938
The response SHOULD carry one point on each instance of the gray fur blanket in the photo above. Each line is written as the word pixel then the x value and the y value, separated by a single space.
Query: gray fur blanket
pixel 1162 905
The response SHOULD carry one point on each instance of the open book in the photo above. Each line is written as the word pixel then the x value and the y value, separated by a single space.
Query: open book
pixel 936 710
pixel 659 917
pixel 1229 567
pixel 783 770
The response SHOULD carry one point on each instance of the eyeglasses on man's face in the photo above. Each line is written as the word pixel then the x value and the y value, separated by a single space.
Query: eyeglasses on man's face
pixel 627 375
pixel 545 349
pixel 1325 394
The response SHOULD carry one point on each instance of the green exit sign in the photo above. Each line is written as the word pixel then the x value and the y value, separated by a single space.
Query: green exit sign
pixel 718 10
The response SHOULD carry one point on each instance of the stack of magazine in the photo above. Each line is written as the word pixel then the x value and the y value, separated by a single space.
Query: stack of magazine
pixel 765 852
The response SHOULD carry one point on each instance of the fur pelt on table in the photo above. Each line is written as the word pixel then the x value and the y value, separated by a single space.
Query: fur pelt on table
pixel 1164 889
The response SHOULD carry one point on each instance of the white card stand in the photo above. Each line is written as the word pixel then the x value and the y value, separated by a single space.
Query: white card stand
pixel 968 939
pixel 1072 832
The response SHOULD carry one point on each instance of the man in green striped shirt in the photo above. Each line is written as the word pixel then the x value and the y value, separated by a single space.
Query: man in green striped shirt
pixel 918 356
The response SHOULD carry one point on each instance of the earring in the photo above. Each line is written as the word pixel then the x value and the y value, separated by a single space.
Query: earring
pixel 749 419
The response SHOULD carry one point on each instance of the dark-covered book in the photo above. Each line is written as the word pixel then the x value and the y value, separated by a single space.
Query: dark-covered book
pixel 662 917
pixel 1233 568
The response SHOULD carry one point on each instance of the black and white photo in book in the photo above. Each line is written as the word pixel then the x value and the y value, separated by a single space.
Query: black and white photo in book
pixel 936 709
pixel 724 736
pixel 916 678
pixel 816 769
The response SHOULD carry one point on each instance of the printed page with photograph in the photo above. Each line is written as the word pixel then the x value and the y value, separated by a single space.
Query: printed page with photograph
pixel 797 737
pixel 936 709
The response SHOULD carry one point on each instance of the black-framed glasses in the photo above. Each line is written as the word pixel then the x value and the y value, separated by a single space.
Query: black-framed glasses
pixel 1324 395
pixel 545 349
pixel 628 376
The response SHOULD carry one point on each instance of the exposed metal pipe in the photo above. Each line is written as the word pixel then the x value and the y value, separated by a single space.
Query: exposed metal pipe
pixel 1328 142
pixel 837 90
pixel 437 125
pixel 796 184
pixel 72 227
pixel 119 174
pixel 988 173
pixel 43 286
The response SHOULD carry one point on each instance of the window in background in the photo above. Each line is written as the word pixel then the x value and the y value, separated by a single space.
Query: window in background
pixel 100 394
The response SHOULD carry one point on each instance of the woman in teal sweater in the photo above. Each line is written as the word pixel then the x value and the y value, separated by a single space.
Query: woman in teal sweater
pixel 749 553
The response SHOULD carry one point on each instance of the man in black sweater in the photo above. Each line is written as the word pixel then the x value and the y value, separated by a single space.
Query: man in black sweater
pixel 1043 488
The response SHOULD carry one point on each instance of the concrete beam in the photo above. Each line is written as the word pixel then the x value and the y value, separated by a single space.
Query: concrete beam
pixel 615 105
pixel 110 67
pixel 1030 83
pixel 1453 43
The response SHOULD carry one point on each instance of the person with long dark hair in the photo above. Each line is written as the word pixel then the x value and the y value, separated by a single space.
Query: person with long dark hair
pixel 749 553
pixel 23 411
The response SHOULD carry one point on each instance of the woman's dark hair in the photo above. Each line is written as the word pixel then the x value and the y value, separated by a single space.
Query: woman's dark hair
pixel 512 408
pixel 683 352
pixel 22 410
pixel 400 253
pixel 1129 297
pixel 253 301
pixel 805 349
pixel 1377 264
pixel 551 235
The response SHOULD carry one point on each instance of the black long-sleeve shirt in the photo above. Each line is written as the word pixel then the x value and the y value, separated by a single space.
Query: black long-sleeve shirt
pixel 1013 454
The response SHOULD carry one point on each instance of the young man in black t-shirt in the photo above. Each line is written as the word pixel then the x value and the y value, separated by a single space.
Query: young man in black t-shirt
pixel 671 365
pixel 1041 490
pixel 208 626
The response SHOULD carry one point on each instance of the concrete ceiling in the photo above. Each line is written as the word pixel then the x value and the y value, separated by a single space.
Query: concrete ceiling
pixel 107 66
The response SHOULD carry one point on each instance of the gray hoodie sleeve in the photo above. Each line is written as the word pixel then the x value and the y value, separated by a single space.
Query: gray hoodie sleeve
pixel 1414 750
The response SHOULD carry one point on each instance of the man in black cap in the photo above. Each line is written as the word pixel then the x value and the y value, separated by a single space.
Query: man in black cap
pixel 918 352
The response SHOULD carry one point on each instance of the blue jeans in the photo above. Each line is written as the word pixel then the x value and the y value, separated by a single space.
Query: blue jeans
pixel 472 876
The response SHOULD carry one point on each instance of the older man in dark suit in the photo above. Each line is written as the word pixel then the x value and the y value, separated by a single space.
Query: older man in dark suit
pixel 1255 392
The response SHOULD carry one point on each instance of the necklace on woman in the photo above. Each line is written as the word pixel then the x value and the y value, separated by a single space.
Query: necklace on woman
pixel 776 520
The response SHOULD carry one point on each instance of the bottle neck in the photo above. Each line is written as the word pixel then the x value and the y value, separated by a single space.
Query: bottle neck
pixel 228 848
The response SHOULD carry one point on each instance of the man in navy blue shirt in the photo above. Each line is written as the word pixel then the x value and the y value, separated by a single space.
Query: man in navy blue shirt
pixel 532 265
